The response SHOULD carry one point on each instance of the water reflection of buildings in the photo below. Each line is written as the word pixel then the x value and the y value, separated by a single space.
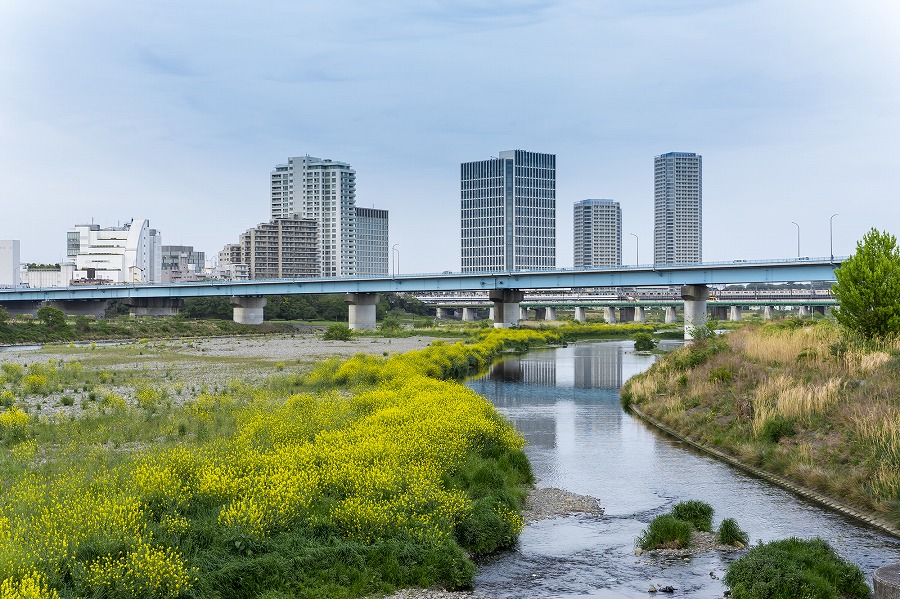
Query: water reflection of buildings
pixel 599 370
pixel 530 372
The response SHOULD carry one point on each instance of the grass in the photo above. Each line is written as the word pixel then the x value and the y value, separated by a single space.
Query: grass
pixel 697 513
pixel 795 568
pixel 802 400
pixel 730 533
pixel 666 532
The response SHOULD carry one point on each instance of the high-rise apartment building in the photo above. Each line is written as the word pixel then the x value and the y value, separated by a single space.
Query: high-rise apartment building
pixel 323 190
pixel 371 242
pixel 509 212
pixel 678 208
pixel 282 248
pixel 598 233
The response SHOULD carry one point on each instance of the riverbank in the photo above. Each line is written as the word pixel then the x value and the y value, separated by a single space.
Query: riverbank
pixel 794 403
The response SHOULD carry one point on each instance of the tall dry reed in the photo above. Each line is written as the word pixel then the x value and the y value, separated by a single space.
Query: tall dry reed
pixel 785 397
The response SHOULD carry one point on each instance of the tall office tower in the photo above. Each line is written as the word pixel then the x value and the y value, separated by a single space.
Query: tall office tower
pixel 371 242
pixel 323 190
pixel 598 233
pixel 509 212
pixel 678 208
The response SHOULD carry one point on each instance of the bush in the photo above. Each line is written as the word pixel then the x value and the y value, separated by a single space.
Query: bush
pixel 666 532
pixel 644 342
pixel 338 332
pixel 697 513
pixel 731 534
pixel 775 428
pixel 795 568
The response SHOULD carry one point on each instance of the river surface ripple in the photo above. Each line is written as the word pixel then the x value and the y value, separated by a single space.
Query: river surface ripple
pixel 566 403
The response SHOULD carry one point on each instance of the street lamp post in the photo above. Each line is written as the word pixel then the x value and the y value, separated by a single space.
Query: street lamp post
pixel 798 239
pixel 637 249
pixel 831 235
pixel 395 256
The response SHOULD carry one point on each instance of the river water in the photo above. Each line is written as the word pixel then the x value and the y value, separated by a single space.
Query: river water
pixel 566 403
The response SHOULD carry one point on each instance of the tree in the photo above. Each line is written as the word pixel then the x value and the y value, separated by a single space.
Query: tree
pixel 868 287
pixel 53 318
pixel 4 315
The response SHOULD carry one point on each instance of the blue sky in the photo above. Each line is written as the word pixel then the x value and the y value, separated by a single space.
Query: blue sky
pixel 177 112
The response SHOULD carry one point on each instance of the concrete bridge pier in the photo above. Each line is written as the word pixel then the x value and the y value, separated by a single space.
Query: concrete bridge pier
pixel 550 314
pixel 609 315
pixel 18 307
pixel 640 315
pixel 695 298
pixel 671 314
pixel 362 310
pixel 768 312
pixel 95 308
pixel 506 307
pixel 523 313
pixel 579 315
pixel 735 314
pixel 154 306
pixel 441 313
pixel 468 314
pixel 804 311
pixel 720 312
pixel 491 313
pixel 248 309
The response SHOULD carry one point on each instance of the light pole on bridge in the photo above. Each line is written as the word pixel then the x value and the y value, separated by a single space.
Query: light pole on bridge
pixel 831 235
pixel 395 255
pixel 637 250
pixel 798 238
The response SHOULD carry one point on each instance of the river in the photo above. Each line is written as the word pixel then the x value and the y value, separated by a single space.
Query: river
pixel 566 403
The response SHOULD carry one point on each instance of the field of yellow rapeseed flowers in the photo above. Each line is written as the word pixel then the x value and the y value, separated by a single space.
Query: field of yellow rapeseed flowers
pixel 368 475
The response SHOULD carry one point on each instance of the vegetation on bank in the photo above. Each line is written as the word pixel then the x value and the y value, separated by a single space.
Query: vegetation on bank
pixel 359 477
pixel 795 568
pixel 810 402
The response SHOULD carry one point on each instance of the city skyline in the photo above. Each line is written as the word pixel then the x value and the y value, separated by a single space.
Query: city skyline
pixel 182 110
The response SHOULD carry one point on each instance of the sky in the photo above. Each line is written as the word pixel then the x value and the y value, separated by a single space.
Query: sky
pixel 178 111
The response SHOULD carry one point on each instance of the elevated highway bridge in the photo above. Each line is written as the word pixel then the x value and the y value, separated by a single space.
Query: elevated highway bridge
pixel 506 290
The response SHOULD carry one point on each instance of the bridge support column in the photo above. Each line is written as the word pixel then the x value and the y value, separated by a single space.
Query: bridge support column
pixel 609 315
pixel 804 311
pixel 720 312
pixel 550 314
pixel 671 314
pixel 695 298
pixel 579 315
pixel 768 312
pixel 440 313
pixel 491 313
pixel 886 581
pixel 248 309
pixel 640 315
pixel 95 308
pixel 362 310
pixel 506 307
pixel 154 306
pixel 735 314
pixel 17 307
pixel 523 313
pixel 468 314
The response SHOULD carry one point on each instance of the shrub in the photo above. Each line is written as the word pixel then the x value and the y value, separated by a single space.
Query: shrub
pixel 775 428
pixel 697 513
pixel 722 374
pixel 666 532
pixel 643 341
pixel 795 568
pixel 730 533
pixel 338 332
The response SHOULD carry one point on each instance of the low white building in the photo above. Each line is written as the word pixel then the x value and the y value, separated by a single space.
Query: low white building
pixel 9 263
pixel 127 254
pixel 47 275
